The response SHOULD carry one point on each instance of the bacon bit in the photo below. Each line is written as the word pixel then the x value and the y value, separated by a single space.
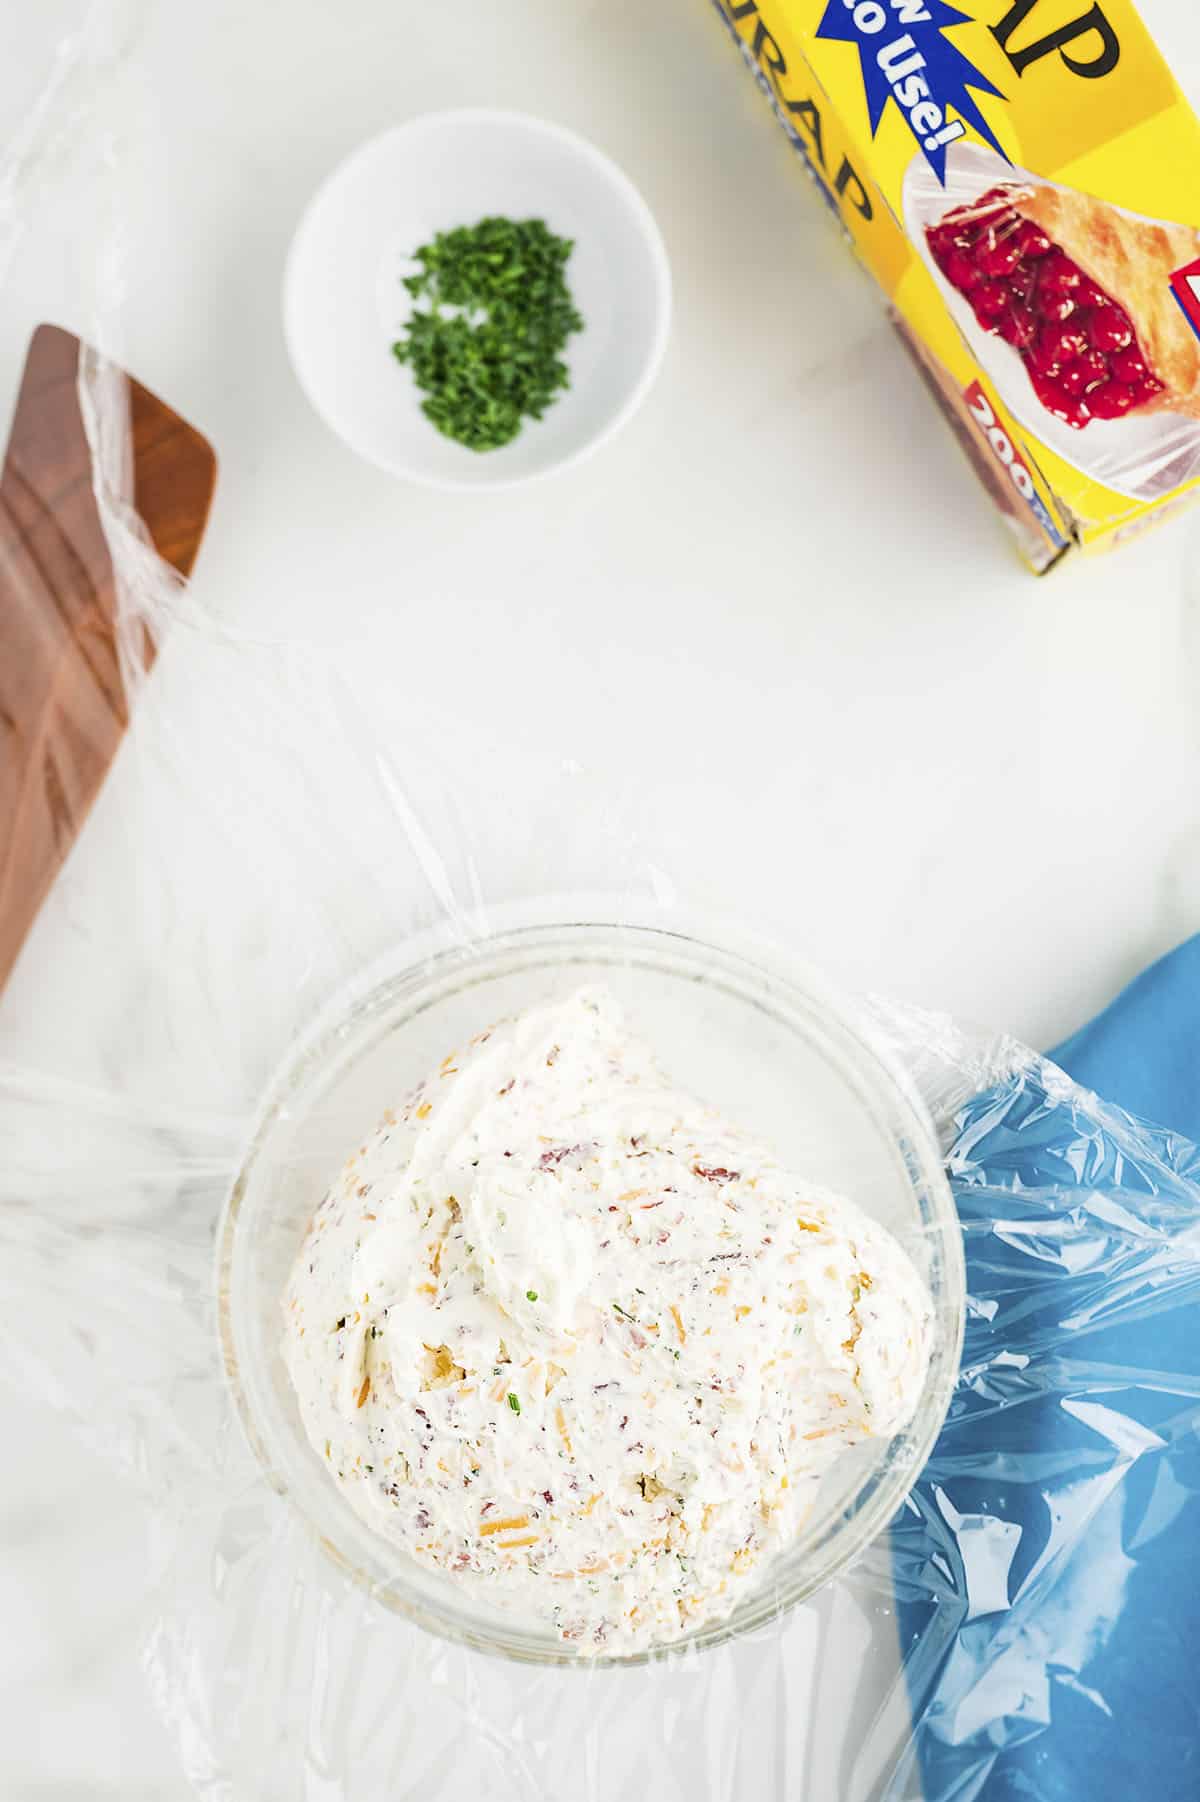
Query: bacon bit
pixel 512 1545
pixel 647 1205
pixel 370 1216
pixel 363 1189
pixel 549 1159
pixel 508 1087
pixel 552 1056
pixel 561 1423
pixel 715 1173
pixel 512 1525
pixel 424 1111
pixel 807 1226
pixel 740 1313
pixel 363 1392
pixel 864 1281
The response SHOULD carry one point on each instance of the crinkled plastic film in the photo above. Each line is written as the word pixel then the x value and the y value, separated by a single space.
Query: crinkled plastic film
pixel 1010 1596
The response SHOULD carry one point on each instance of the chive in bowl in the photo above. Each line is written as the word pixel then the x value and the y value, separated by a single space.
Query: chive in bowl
pixel 345 303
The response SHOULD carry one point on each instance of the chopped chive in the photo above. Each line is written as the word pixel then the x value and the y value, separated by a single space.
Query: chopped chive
pixel 493 314
pixel 513 1403
pixel 531 1295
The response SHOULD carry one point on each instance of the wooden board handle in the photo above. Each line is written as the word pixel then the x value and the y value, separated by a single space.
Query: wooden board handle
pixel 63 709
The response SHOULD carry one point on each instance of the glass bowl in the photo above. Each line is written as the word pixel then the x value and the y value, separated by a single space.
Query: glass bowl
pixel 776 1053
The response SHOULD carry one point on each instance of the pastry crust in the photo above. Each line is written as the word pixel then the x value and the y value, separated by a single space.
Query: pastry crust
pixel 1133 261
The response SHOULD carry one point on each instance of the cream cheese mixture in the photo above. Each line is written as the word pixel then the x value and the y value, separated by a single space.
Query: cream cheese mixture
pixel 567 1334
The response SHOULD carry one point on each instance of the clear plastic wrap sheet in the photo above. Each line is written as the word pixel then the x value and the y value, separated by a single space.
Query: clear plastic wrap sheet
pixel 1020 1590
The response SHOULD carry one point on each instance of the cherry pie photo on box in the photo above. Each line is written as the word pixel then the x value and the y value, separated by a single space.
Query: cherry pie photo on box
pixel 1083 293
pixel 1069 305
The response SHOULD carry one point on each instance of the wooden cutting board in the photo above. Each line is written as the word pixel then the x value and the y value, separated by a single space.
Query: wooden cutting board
pixel 63 709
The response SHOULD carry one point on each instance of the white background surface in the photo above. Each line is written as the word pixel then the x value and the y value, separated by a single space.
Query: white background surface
pixel 777 614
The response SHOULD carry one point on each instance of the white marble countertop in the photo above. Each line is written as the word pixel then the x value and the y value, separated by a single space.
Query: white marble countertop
pixel 827 698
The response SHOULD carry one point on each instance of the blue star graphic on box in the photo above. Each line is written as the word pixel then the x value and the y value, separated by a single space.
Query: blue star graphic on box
pixel 906 59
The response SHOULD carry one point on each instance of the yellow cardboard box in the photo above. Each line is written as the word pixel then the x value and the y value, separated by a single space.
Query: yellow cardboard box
pixel 1022 178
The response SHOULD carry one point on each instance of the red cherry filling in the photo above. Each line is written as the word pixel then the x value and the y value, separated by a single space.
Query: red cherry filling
pixel 990 299
pixel 1129 366
pixel 1108 329
pixel 1077 343
pixel 1056 346
pixel 1110 400
pixel 1018 324
pixel 1033 240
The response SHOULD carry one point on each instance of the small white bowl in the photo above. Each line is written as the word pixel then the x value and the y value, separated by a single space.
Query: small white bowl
pixel 344 301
